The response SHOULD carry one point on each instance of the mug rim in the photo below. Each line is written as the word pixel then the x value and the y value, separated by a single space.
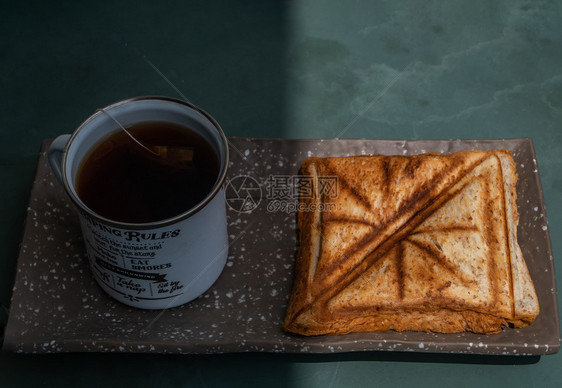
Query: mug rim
pixel 217 187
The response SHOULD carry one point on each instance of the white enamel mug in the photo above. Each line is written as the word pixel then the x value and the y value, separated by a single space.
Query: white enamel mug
pixel 154 265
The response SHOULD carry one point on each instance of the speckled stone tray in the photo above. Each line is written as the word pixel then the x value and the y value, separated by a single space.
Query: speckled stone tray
pixel 57 307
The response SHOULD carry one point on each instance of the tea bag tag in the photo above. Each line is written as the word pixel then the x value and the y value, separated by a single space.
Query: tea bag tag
pixel 174 156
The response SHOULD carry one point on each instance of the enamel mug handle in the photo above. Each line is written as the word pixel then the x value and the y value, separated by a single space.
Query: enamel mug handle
pixel 55 153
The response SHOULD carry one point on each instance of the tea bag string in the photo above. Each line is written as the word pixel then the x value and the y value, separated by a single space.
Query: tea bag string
pixel 127 132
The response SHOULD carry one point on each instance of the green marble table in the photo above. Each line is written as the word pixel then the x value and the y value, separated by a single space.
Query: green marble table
pixel 282 69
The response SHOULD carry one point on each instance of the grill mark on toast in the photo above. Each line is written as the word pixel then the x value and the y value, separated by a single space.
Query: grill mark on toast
pixel 318 224
pixel 386 176
pixel 320 242
pixel 440 258
pixel 489 238
pixel 506 240
pixel 345 184
pixel 318 216
pixel 411 167
pixel 399 176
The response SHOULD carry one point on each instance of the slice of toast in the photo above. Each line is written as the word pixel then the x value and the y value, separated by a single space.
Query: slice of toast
pixel 425 242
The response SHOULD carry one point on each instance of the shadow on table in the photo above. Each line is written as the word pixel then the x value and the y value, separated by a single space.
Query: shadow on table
pixel 412 357
pixel 244 369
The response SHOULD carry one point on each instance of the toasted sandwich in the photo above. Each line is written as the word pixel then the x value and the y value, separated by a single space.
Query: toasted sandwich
pixel 425 242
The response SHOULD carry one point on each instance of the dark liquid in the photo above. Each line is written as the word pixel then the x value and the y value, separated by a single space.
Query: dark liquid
pixel 123 182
